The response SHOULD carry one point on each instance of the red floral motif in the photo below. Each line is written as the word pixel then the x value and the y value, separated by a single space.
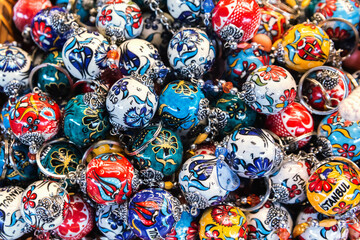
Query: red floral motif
pixel 105 17
pixel 41 32
pixel 273 72
pixel 171 235
pixel 221 12
pixel 192 231
pixel 221 215
pixel 343 208
pixel 212 235
pixel 351 175
pixel 338 34
pixel 320 181
pixel 287 98
pixel 347 151
pixel 327 9
pixel 135 14
pixel 308 167
pixel 293 191
pixel 27 199
pixel 73 219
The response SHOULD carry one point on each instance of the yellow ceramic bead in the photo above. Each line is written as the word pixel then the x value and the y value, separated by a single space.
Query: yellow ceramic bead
pixel 306 46
pixel 223 222
pixel 334 187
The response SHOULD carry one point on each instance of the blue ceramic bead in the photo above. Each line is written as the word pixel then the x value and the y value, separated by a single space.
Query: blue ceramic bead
pixel 345 9
pixel 5 115
pixel 43 31
pixel 110 225
pixel 52 81
pixel 151 213
pixel 164 154
pixel 60 158
pixel 185 228
pixel 179 105
pixel 83 125
pixel 239 114
pixel 241 63
pixel 343 135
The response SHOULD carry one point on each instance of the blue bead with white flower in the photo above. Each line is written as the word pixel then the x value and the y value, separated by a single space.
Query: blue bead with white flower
pixel 191 53
pixel 131 104
pixel 253 153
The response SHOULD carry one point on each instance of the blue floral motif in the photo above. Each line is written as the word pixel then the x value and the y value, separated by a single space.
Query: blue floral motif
pixel 260 167
pixel 121 85
pixel 11 59
pixel 186 38
pixel 135 119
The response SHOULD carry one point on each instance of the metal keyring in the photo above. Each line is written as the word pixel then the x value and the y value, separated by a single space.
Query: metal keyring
pixel 59 68
pixel 321 24
pixel 264 199
pixel 301 96
pixel 38 158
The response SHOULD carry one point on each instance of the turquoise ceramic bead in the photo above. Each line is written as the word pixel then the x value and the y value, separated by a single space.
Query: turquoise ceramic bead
pixel 83 125
pixel 60 158
pixel 179 105
pixel 25 171
pixel 52 81
pixel 164 154
pixel 239 114
pixel 343 136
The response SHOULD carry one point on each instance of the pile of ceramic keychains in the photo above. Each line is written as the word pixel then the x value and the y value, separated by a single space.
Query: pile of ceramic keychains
pixel 180 119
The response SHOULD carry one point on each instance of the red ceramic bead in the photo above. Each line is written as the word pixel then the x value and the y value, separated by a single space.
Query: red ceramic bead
pixel 110 178
pixel 25 11
pixel 293 121
pixel 78 222
pixel 240 16
pixel 35 117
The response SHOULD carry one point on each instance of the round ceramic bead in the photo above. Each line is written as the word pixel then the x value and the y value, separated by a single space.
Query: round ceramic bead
pixel 239 114
pixel 223 222
pixel 272 88
pixel 155 32
pixel 15 65
pixel 163 154
pixel 236 20
pixel 265 223
pixel 342 134
pixel 12 223
pixel 44 205
pixel 272 23
pixel 24 170
pixel 336 231
pixel 186 228
pixel 152 213
pixel 84 125
pixel 51 80
pixel 205 180
pixel 131 104
pixel 43 32
pixel 85 55
pixel 101 147
pixel 78 222
pixel 139 57
pixel 59 158
pixel 333 187
pixel 111 225
pixel 35 118
pixel 110 179
pixel 253 153
pixel 241 63
pixel 289 182
pixel 179 106
pixel 305 46
pixel 185 11
pixel 294 121
pixel 347 10
pixel 326 92
pixel 191 53
pixel 25 10
pixel 123 17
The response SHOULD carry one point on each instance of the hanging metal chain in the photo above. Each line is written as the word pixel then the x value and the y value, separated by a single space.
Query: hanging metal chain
pixel 154 6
